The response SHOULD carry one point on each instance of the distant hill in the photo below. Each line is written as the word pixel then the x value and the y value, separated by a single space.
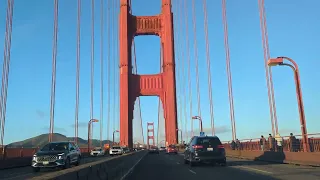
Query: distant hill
pixel 42 139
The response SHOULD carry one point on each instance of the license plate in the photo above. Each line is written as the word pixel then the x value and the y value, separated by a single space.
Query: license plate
pixel 45 162
pixel 209 149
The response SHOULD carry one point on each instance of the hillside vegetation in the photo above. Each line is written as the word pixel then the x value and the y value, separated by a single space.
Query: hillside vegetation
pixel 42 139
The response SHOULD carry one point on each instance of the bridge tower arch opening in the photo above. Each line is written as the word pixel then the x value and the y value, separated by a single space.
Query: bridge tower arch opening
pixel 162 84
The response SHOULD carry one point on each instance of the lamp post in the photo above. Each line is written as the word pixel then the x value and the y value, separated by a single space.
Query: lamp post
pixel 200 120
pixel 294 67
pixel 113 136
pixel 180 134
pixel 89 132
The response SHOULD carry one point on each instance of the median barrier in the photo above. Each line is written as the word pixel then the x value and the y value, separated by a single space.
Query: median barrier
pixel 299 158
pixel 110 169
pixel 16 162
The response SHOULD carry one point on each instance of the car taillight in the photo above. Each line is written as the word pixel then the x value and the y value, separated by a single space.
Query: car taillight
pixel 220 146
pixel 197 146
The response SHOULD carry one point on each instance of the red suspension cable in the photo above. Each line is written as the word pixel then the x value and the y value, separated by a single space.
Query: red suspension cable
pixel 135 71
pixel 226 44
pixel 101 68
pixel 189 62
pixel 179 59
pixel 76 118
pixel 267 69
pixel 270 71
pixel 109 69
pixel 6 68
pixel 208 64
pixel 196 55
pixel 182 60
pixel 92 65
pixel 54 65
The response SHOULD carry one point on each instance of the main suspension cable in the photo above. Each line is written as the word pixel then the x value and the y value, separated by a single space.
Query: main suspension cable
pixel 226 44
pixel 189 63
pixel 114 62
pixel 196 55
pixel 6 68
pixel 76 118
pixel 267 69
pixel 101 68
pixel 54 65
pixel 208 64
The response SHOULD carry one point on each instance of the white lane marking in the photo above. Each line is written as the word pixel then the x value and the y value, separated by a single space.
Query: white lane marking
pixel 131 169
pixel 254 169
pixel 178 163
pixel 192 171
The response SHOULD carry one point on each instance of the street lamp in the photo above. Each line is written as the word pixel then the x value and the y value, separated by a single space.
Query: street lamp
pixel 89 132
pixel 200 120
pixel 180 134
pixel 294 67
pixel 113 136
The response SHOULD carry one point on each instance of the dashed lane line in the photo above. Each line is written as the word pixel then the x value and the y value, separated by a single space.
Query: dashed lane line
pixel 253 169
pixel 192 171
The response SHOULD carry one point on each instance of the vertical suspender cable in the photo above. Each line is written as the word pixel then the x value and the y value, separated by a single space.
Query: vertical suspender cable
pixel 109 70
pixel 196 54
pixel 117 8
pixel 115 124
pixel 135 71
pixel 189 62
pixel 92 63
pixel 226 44
pixel 208 64
pixel 184 84
pixel 270 71
pixel 267 69
pixel 101 68
pixel 54 65
pixel 113 61
pixel 179 56
pixel 76 119
pixel 6 68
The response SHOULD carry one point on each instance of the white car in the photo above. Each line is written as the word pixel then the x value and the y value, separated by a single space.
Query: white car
pixel 116 150
pixel 98 151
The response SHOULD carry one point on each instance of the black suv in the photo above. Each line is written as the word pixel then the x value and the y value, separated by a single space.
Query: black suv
pixel 56 154
pixel 205 149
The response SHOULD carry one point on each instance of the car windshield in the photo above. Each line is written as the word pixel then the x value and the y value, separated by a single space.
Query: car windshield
pixel 116 147
pixel 208 141
pixel 172 146
pixel 55 147
pixel 97 149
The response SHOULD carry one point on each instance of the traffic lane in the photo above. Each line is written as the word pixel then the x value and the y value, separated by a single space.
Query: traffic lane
pixel 26 172
pixel 162 166
pixel 280 171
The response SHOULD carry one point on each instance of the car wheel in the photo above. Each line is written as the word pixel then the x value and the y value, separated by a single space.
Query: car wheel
pixel 35 169
pixel 78 161
pixel 67 163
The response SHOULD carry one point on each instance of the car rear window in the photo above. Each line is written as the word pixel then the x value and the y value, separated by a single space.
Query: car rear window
pixel 172 146
pixel 208 141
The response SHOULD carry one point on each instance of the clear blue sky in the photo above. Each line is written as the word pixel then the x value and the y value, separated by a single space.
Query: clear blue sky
pixel 293 28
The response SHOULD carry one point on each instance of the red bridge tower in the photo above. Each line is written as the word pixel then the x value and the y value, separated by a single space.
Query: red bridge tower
pixel 150 129
pixel 162 85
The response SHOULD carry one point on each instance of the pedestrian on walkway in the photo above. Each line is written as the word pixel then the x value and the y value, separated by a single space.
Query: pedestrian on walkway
pixel 279 141
pixel 262 142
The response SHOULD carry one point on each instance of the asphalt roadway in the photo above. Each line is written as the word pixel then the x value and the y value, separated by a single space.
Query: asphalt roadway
pixel 26 172
pixel 159 167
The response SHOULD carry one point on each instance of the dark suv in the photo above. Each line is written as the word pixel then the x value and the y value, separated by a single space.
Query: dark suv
pixel 56 154
pixel 205 149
